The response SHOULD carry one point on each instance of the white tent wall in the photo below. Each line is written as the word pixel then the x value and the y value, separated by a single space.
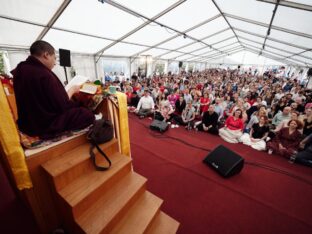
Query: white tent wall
pixel 83 65
pixel 173 67
pixel 108 65
pixel 188 31
pixel 15 57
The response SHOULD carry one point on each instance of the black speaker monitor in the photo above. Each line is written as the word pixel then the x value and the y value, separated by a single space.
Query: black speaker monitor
pixel 309 73
pixel 64 58
pixel 180 64
pixel 224 161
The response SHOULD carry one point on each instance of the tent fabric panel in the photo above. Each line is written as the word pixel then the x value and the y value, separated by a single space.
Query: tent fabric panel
pixel 103 19
pixel 287 17
pixel 18 34
pixel 250 37
pixel 306 2
pixel 192 47
pixel 216 38
pixel 32 10
pixel 171 55
pixel 308 61
pixel 308 54
pixel 148 8
pixel 248 26
pixel 185 57
pixel 291 49
pixel 209 28
pixel 74 42
pixel 197 10
pixel 230 46
pixel 122 49
pixel 155 52
pixel 225 43
pixel 250 43
pixel 202 51
pixel 150 35
pixel 176 42
pixel 294 39
pixel 253 9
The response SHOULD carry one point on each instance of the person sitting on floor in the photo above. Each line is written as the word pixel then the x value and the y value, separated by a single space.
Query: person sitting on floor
pixel 180 106
pixel 45 109
pixel 286 142
pixel 233 127
pixel 280 116
pixel 258 133
pixel 134 100
pixel 146 105
pixel 305 156
pixel 209 121
pixel 165 111
pixel 187 117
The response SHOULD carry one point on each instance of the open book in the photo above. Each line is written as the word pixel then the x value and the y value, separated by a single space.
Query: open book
pixel 89 88
pixel 77 80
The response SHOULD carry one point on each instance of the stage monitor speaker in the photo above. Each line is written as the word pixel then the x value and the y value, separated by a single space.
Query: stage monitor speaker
pixel 180 64
pixel 64 58
pixel 225 161
pixel 309 73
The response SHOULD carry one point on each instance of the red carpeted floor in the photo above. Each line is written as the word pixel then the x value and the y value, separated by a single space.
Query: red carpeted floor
pixel 257 200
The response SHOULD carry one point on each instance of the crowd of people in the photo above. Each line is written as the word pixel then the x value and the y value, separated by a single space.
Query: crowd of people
pixel 264 112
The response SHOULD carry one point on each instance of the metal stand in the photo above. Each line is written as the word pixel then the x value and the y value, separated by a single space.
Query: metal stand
pixel 66 82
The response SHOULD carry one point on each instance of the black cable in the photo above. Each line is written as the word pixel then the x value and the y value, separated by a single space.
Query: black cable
pixel 263 166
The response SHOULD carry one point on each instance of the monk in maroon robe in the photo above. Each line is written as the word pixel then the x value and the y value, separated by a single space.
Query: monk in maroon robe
pixel 45 109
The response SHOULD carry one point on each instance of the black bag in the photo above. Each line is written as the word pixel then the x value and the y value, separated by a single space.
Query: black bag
pixel 160 126
pixel 101 132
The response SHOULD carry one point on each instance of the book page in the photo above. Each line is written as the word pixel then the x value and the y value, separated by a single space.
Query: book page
pixel 77 80
pixel 89 88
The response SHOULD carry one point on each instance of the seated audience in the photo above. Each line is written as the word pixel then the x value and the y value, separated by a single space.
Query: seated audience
pixel 209 121
pixel 180 106
pixel 280 116
pixel 258 133
pixel 233 128
pixel 286 142
pixel 146 105
pixel 165 111
pixel 187 117
pixel 304 156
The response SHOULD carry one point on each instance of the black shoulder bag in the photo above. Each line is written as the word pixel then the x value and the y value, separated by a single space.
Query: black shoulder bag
pixel 101 132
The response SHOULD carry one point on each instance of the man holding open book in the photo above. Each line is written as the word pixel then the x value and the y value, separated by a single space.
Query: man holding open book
pixel 45 109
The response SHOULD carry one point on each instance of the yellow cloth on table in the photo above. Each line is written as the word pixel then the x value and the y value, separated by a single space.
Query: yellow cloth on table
pixel 10 143
pixel 123 124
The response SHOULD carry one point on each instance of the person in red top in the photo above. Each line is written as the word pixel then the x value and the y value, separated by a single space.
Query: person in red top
pixel 204 103
pixel 233 128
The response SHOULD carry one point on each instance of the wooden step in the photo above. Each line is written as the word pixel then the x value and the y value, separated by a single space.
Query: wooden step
pixel 104 214
pixel 163 224
pixel 87 188
pixel 70 165
pixel 139 216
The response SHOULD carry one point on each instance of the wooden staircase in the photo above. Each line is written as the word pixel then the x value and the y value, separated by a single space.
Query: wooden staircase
pixel 113 201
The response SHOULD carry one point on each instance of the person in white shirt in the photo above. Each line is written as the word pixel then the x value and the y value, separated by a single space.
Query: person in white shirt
pixel 146 105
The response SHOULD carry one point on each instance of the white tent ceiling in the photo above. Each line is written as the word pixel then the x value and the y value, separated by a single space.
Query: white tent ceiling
pixel 185 30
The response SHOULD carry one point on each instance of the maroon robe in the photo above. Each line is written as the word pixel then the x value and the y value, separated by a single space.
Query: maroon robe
pixel 290 142
pixel 44 108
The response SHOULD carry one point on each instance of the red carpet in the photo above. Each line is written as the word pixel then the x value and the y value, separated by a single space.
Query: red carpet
pixel 14 216
pixel 255 201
